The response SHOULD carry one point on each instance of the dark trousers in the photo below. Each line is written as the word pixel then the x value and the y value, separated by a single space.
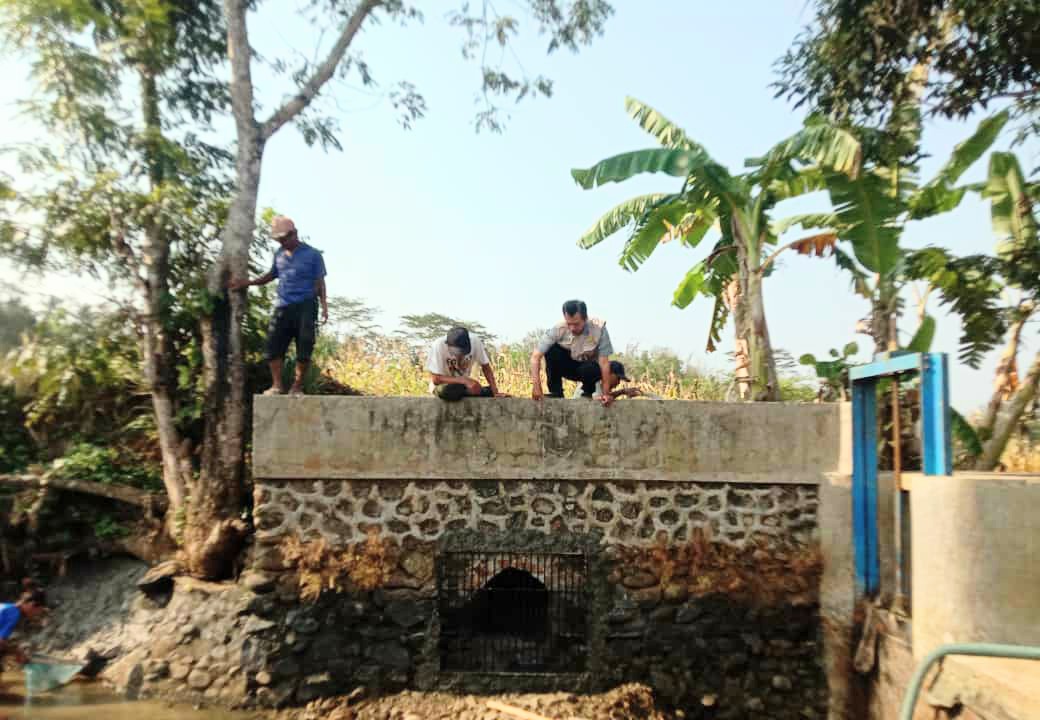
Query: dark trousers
pixel 454 391
pixel 559 365
pixel 297 322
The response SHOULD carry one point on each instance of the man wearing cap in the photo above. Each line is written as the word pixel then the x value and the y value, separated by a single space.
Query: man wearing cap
pixel 578 349
pixel 300 271
pixel 450 364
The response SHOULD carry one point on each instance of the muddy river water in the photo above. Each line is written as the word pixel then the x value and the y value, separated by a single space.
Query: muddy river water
pixel 81 700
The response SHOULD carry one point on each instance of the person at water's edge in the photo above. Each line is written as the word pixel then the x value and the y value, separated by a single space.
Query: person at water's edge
pixel 450 364
pixel 300 271
pixel 30 608
pixel 578 349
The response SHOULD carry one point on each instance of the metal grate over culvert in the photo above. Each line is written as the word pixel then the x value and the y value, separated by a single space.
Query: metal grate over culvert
pixel 513 612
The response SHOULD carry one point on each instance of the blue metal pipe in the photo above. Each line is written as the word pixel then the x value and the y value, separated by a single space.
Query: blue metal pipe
pixel 1015 652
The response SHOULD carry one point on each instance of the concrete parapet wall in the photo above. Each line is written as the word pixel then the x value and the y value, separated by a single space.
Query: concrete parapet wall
pixel 976 540
pixel 391 438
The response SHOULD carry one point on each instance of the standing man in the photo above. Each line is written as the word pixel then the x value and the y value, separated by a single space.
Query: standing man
pixel 300 271
pixel 577 349
pixel 450 364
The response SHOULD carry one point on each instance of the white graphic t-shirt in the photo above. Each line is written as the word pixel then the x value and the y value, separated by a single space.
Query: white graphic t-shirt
pixel 443 361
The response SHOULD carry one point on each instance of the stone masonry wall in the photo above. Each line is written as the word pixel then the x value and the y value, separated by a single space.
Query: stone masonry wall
pixel 714 655
pixel 629 513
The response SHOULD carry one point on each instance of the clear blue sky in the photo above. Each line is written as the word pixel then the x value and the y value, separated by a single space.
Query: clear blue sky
pixel 484 226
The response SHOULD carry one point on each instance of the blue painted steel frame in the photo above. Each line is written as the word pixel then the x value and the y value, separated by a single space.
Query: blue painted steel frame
pixel 937 451
pixel 935 415
pixel 864 486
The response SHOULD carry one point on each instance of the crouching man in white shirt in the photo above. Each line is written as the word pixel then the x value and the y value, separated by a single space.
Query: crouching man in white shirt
pixel 450 364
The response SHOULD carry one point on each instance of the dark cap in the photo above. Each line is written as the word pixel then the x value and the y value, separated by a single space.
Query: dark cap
pixel 618 370
pixel 458 337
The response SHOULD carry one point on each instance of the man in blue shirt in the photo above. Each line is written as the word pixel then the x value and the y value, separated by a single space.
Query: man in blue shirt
pixel 30 607
pixel 300 271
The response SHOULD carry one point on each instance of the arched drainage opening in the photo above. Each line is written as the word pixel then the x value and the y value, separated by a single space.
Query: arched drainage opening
pixel 512 612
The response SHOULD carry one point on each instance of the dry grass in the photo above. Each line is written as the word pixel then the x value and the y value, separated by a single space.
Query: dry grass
pixel 1021 455
pixel 388 367
pixel 321 568
pixel 760 572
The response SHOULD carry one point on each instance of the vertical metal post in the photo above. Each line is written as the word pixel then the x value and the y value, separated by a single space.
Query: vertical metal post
pixel 901 514
pixel 935 415
pixel 864 486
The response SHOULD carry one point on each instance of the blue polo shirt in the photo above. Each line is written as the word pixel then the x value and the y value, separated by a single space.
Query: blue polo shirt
pixel 297 274
pixel 9 617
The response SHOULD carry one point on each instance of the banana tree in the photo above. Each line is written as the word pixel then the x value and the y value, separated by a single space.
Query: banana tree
pixel 873 209
pixel 978 287
pixel 737 206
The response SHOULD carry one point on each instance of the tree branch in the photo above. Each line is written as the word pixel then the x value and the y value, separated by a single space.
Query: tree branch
pixel 296 104
pixel 241 57
pixel 120 493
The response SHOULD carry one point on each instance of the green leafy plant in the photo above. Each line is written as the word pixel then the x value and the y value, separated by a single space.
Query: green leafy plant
pixel 105 465
pixel 106 528
pixel 833 374
pixel 16 446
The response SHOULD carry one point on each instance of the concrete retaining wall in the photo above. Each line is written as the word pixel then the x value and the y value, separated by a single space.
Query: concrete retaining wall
pixel 638 487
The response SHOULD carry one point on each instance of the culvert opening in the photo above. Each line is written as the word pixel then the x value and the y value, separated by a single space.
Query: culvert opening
pixel 513 612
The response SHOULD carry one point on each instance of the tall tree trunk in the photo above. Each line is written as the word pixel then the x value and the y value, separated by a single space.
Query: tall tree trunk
pixel 751 323
pixel 214 531
pixel 741 358
pixel 156 343
pixel 763 365
pixel 884 319
pixel 1026 394
pixel 1005 378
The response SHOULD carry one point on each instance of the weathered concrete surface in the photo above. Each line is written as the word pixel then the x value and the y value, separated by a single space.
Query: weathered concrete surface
pixel 837 598
pixel 390 438
pixel 976 540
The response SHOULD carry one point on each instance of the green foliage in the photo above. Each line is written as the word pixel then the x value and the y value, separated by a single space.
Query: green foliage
pixel 16 318
pixel 739 207
pixel 661 128
pixel 677 163
pixel 974 286
pixel 16 445
pixel 620 217
pixel 1013 213
pixel 833 374
pixel 965 435
pixel 922 339
pixel 106 528
pixel 568 24
pixel 107 465
pixel 940 194
pixel 851 61
pixel 868 216
pixel 76 374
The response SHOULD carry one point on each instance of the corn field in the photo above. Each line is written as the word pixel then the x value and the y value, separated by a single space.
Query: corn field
pixel 389 367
